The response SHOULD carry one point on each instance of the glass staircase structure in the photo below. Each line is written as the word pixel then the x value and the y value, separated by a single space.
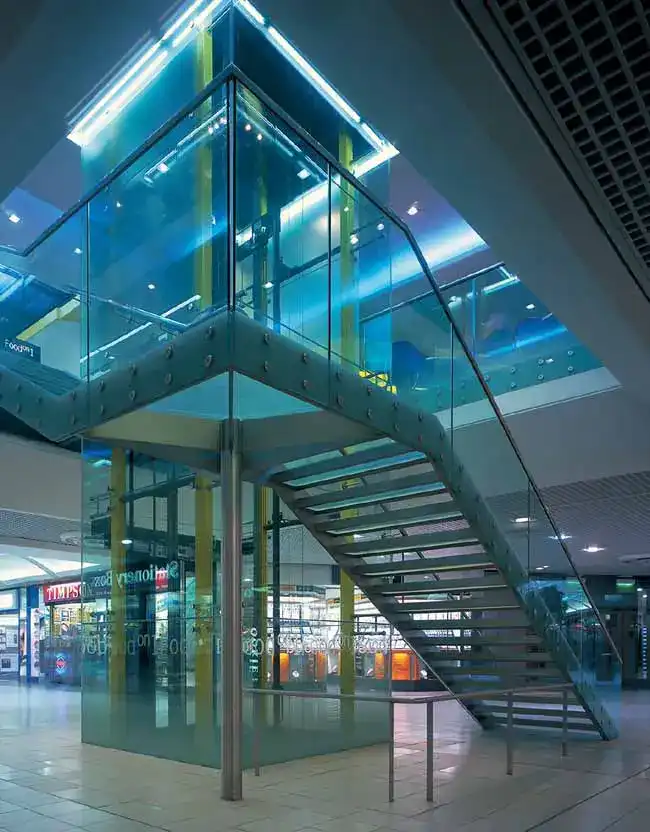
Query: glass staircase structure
pixel 226 268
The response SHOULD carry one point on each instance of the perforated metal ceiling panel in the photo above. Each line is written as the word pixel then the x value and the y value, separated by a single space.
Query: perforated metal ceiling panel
pixel 611 513
pixel 590 62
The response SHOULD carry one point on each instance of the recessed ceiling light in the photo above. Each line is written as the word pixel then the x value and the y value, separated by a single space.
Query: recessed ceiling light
pixel 268 284
pixel 522 520
pixel 592 549
pixel 412 211
pixel 77 250
pixel 127 541
pixel 151 286
pixel 118 204
pixel 248 128
pixel 163 168
pixel 560 537
pixel 530 307
pixel 354 239
pixel 550 360
pixel 539 568
pixel 259 137
pixel 13 218
pixel 346 209
pixel 303 174
pixel 380 226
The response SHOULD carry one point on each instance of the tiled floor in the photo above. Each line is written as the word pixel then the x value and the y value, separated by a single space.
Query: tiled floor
pixel 49 782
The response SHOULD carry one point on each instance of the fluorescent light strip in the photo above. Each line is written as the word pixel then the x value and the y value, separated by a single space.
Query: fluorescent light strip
pixel 153 59
pixel 138 329
pixel 116 104
pixel 97 109
pixel 326 88
pixel 374 160
pixel 197 23
pixel 203 16
pixel 176 25
pixel 251 11
pixel 372 136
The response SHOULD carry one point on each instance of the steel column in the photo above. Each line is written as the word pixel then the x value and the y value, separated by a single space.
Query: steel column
pixel 231 612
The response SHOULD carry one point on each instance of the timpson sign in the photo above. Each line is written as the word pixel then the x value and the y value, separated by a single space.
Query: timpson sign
pixel 102 584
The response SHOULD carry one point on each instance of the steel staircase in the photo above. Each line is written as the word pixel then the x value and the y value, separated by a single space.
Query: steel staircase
pixel 386 517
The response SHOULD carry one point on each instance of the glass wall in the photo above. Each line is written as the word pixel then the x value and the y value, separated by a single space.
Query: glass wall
pixel 234 211
pixel 151 555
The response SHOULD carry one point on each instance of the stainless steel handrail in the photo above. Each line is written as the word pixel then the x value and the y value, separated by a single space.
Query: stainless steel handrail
pixel 428 702
pixel 232 72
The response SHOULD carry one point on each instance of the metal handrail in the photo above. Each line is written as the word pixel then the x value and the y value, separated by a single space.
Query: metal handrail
pixel 428 702
pixel 232 72
pixel 388 212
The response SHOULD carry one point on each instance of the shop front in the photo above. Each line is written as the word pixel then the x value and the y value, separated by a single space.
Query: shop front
pixel 10 630
pixel 66 613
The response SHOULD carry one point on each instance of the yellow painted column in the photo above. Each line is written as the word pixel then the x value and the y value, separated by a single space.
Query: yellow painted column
pixel 204 609
pixel 203 266
pixel 117 653
pixel 206 637
pixel 350 352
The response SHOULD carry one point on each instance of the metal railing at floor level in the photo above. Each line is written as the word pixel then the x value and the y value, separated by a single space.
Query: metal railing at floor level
pixel 429 702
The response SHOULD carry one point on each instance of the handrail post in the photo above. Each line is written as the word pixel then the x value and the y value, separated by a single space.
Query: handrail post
pixel 430 751
pixel 509 737
pixel 391 752
pixel 565 722
pixel 256 734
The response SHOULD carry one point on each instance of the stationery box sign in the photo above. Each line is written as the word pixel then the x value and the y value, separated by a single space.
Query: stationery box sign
pixel 101 585
pixel 22 348
pixel 62 593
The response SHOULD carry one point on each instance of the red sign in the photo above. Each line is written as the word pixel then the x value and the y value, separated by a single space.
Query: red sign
pixel 61 593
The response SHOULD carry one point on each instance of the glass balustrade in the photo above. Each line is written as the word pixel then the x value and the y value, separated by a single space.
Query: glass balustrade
pixel 517 341
pixel 234 209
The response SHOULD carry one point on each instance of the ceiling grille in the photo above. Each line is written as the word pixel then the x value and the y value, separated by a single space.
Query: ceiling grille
pixel 590 61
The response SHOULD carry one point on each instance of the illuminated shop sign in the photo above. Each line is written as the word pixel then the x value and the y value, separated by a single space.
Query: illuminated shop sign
pixel 160 575
pixel 62 593
pixel 9 600
pixel 101 584
pixel 23 348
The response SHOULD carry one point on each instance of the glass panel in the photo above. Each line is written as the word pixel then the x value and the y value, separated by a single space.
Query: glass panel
pixel 149 630
pixel 553 576
pixel 295 632
pixel 196 62
pixel 516 340
pixel 40 309
pixel 282 261
pixel 362 279
pixel 157 242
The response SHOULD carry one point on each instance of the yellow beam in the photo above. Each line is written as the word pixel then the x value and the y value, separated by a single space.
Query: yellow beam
pixel 204 608
pixel 69 311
